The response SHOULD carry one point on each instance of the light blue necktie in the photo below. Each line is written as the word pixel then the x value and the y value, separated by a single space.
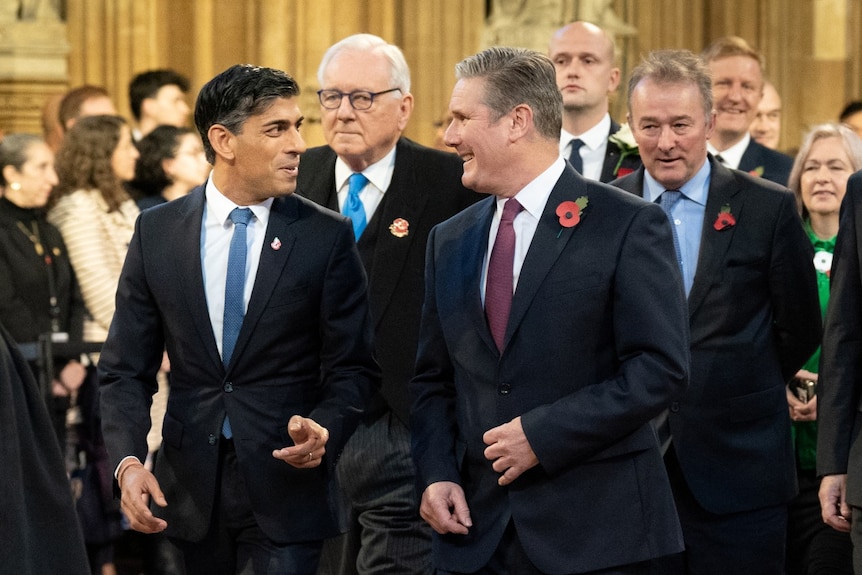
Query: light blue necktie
pixel 234 291
pixel 668 200
pixel 353 207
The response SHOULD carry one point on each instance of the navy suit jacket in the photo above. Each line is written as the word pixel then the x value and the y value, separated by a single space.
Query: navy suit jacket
pixel 305 348
pixel 839 387
pixel 596 346
pixel 425 190
pixel 754 317
pixel 774 166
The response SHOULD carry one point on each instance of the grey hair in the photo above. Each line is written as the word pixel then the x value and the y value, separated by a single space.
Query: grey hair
pixel 667 67
pixel 515 76
pixel 398 69
pixel 13 151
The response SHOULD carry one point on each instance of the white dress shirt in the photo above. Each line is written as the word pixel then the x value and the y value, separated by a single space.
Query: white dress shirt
pixel 733 155
pixel 379 176
pixel 593 151
pixel 533 198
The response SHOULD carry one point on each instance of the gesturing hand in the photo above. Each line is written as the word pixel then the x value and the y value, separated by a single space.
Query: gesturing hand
pixel 444 508
pixel 510 451
pixel 309 440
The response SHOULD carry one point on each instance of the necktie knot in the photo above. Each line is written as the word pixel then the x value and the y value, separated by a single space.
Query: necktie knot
pixel 510 210
pixel 669 199
pixel 353 206
pixel 241 216
pixel 575 155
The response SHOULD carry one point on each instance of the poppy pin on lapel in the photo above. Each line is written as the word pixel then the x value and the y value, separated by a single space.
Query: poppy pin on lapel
pixel 276 244
pixel 399 227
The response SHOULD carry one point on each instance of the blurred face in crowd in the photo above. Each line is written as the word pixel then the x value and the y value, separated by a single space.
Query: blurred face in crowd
pixel 363 137
pixel 98 106
pixel 189 165
pixel 125 155
pixel 479 140
pixel 583 57
pixel 31 186
pixel 854 122
pixel 766 128
pixel 824 176
pixel 168 107
pixel 737 87
pixel 671 128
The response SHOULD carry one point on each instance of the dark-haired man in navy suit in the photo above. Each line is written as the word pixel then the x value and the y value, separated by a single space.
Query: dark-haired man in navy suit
pixel 754 318
pixel 737 87
pixel 259 297
pixel 553 330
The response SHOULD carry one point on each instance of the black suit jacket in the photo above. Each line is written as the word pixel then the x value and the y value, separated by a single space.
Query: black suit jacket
pixel 425 190
pixel 839 387
pixel 755 319
pixel 769 164
pixel 596 345
pixel 305 348
pixel 610 170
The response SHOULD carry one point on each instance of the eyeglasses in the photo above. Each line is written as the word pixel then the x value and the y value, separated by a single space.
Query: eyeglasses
pixel 359 100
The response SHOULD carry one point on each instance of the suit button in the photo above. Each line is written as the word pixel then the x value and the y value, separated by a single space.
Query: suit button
pixel 228 387
pixel 212 439
pixel 505 388
pixel 674 407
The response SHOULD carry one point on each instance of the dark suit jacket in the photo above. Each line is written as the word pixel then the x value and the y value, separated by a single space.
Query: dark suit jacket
pixel 305 348
pixel 425 190
pixel 775 166
pixel 755 319
pixel 596 345
pixel 41 532
pixel 839 387
pixel 630 162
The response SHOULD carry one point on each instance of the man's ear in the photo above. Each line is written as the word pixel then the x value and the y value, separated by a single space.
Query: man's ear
pixel 521 121
pixel 222 141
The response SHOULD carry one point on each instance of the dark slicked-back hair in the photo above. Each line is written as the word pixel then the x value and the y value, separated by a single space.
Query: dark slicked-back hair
pixel 235 95
pixel 515 76
pixel 147 85
pixel 669 67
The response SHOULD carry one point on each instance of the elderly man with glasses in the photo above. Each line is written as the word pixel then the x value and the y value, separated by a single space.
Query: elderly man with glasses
pixel 395 191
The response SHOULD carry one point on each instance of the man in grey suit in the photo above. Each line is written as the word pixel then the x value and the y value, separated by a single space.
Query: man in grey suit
pixel 259 297
pixel 365 105
pixel 754 317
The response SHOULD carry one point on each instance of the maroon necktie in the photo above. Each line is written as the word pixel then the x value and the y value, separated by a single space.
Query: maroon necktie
pixel 498 286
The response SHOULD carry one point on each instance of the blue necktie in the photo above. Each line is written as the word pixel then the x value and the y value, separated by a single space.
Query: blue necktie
pixel 353 207
pixel 668 200
pixel 234 291
pixel 575 157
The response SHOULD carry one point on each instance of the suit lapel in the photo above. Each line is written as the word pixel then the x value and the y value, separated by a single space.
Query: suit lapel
pixel 190 272
pixel 612 155
pixel 272 262
pixel 318 182
pixel 547 245
pixel 475 245
pixel 723 191
pixel 405 199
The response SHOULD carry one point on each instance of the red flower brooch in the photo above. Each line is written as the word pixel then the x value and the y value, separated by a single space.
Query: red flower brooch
pixel 570 212
pixel 399 227
pixel 725 219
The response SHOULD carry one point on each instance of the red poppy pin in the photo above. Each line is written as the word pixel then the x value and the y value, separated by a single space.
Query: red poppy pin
pixel 624 172
pixel 399 228
pixel 758 172
pixel 725 219
pixel 569 212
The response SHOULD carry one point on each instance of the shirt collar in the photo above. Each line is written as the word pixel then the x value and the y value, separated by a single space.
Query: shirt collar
pixel 220 207
pixel 379 173
pixel 593 138
pixel 696 189
pixel 535 195
pixel 733 155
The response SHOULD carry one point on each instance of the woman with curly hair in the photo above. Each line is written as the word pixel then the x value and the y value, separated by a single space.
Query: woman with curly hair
pixel 94 212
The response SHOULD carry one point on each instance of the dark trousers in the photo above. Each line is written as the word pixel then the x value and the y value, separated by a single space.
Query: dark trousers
pixel 814 548
pixel 378 480
pixel 234 544
pixel 749 542
pixel 511 559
